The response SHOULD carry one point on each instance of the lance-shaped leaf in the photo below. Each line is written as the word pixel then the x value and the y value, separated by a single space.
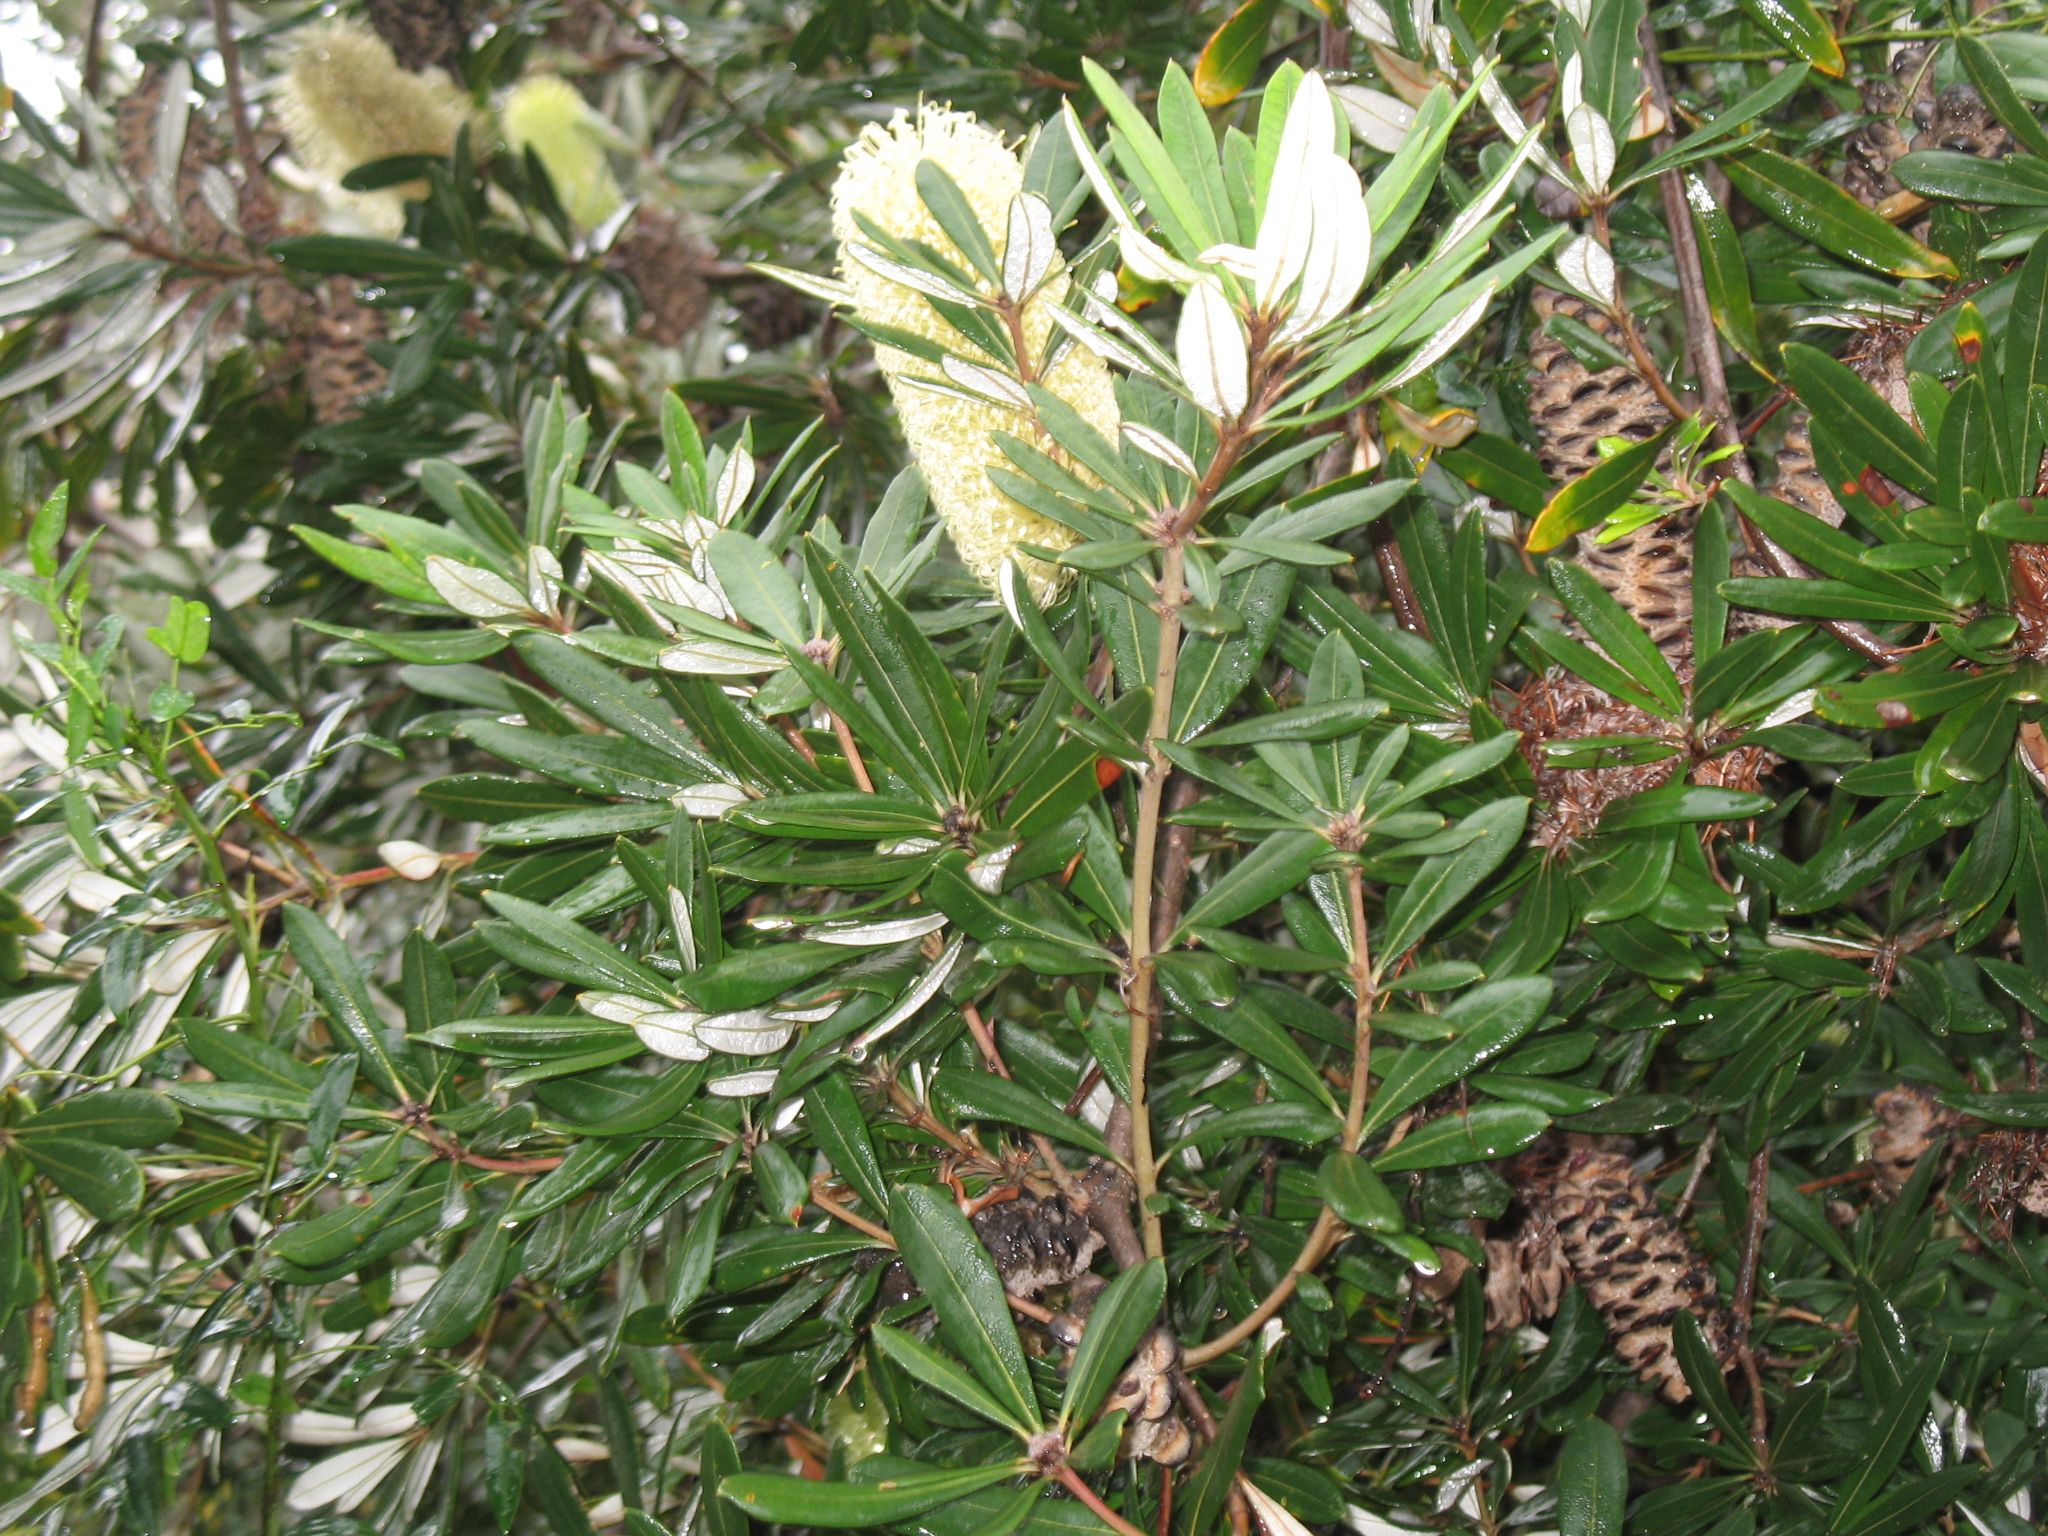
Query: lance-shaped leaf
pixel 951 1266
pixel 338 982
pixel 1122 1315
pixel 931 1368
pixel 984 1096
pixel 1276 866
pixel 1447 879
pixel 1808 204
pixel 1596 495
pixel 1490 1018
pixel 778 1498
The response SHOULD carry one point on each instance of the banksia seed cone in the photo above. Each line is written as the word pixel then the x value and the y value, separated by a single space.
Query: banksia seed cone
pixel 666 267
pixel 339 368
pixel 1635 1264
pixel 546 114
pixel 420 33
pixel 1572 406
pixel 1526 1270
pixel 951 437
pixel 345 102
pixel 1036 1243
pixel 1649 571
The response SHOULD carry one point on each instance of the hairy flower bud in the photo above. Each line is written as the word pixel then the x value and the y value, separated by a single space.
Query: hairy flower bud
pixel 951 436
pixel 546 114
pixel 345 102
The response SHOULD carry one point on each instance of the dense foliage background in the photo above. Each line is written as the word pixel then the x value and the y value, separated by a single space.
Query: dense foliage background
pixel 1393 879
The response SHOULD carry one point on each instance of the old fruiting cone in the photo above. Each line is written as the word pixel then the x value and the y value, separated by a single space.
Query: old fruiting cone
pixel 949 435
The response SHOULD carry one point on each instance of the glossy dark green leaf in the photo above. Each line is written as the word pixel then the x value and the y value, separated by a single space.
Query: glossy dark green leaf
pixel 952 1267
pixel 1351 1188
pixel 1447 879
pixel 1482 1134
pixel 1592 1481
pixel 102 1179
pixel 778 1498
pixel 1121 1317
pixel 1813 207
pixel 338 982
pixel 985 1096
pixel 115 1117
pixel 929 1367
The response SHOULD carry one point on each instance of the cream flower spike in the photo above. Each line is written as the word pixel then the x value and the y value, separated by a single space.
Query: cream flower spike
pixel 951 436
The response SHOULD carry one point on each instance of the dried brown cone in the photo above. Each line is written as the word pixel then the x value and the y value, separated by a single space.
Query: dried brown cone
pixel 666 267
pixel 1037 1243
pixel 421 34
pixel 1635 1265
pixel 199 228
pixel 1911 1122
pixel 1155 1429
pixel 1572 406
pixel 1894 101
pixel 339 368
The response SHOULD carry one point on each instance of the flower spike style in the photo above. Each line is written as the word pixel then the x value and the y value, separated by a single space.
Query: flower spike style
pixel 950 421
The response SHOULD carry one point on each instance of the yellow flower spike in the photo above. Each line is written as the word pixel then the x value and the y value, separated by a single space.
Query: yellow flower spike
pixel 345 102
pixel 547 114
pixel 950 437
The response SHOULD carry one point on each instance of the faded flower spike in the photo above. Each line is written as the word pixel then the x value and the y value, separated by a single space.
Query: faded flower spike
pixel 950 426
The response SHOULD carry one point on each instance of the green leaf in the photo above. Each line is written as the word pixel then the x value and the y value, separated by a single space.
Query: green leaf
pixel 930 1368
pixel 776 1498
pixel 2020 182
pixel 379 567
pixel 690 1264
pixel 1145 160
pixel 1276 866
pixel 1807 33
pixel 1122 1315
pixel 1302 1123
pixel 632 709
pixel 1230 58
pixel 1813 207
pixel 114 1117
pixel 1703 1373
pixel 344 994
pixel 947 204
pixel 1617 633
pixel 1489 1018
pixel 1892 1428
pixel 185 632
pixel 758 585
pixel 576 953
pixel 1503 469
pixel 1351 1188
pixel 848 814
pixel 1705 140
pixel 456 1302
pixel 834 1118
pixel 1726 269
pixel 952 1267
pixel 1203 1495
pixel 1447 879
pixel 102 1179
pixel 984 1096
pixel 1248 1027
pixel 1592 1478
pixel 1680 803
pixel 1596 495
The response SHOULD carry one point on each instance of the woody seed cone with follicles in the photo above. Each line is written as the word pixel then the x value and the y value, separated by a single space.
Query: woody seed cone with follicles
pixel 951 437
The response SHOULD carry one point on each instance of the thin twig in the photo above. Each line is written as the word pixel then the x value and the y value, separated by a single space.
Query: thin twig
pixel 1699 1168
pixel 831 1207
pixel 853 758
pixel 253 174
pixel 1745 1292
pixel 1075 1485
